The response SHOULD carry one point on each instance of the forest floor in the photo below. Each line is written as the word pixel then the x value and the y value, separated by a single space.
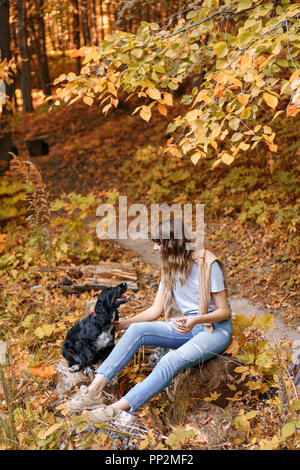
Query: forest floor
pixel 87 151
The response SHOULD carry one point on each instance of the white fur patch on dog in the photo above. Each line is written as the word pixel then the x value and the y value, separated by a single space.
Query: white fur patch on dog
pixel 103 339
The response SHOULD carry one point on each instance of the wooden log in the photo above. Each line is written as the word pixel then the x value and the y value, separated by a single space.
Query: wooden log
pixel 190 386
pixel 117 270
pixel 96 285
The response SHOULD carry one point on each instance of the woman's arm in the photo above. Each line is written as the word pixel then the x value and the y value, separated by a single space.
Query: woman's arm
pixel 152 313
pixel 222 312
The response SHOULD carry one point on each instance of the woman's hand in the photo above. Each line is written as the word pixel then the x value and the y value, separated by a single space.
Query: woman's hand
pixel 120 325
pixel 185 324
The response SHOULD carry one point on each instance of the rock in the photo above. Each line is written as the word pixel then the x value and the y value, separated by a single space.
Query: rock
pixel 3 352
pixel 294 368
pixel 67 381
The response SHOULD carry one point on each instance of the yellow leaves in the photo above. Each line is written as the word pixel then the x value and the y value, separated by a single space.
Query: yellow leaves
pixel 288 429
pixel 221 49
pixel 226 158
pixel 242 423
pixel 179 436
pixel 174 151
pixel 46 433
pixel 216 163
pixel 225 77
pixel 202 95
pixel 145 113
pixel 162 109
pixel 61 78
pixel 233 348
pixel 244 146
pixel 213 143
pixel 144 443
pixel 213 396
pixel 292 110
pixel 93 54
pixel 77 53
pixel 106 108
pixel 271 100
pixel 192 116
pixel 154 93
pixel 243 98
pixel 168 99
pixel 88 100
pixel 112 89
pixel 196 157
pixel 269 141
pixel 246 113
pixel 277 114
pixel 269 444
pixel 45 331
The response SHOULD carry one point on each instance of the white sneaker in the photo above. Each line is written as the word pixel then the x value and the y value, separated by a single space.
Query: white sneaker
pixel 82 400
pixel 102 414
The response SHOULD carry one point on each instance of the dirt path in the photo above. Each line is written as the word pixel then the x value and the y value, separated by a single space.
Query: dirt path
pixel 239 304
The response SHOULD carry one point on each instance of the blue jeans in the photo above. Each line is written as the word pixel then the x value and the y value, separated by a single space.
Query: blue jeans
pixel 186 350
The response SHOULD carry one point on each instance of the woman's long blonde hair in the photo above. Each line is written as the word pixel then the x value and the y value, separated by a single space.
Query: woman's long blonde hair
pixel 175 257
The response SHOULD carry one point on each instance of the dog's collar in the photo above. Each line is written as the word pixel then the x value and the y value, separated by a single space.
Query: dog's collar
pixel 94 313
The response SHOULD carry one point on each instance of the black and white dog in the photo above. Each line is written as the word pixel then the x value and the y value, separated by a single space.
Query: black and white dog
pixel 92 339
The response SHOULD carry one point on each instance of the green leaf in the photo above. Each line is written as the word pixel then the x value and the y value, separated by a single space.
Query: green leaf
pixel 28 320
pixel 237 136
pixel 171 127
pixel 244 38
pixel 265 322
pixel 44 331
pixel 295 405
pixel 234 123
pixel 221 49
pixel 137 53
pixel 244 4
pixel 287 430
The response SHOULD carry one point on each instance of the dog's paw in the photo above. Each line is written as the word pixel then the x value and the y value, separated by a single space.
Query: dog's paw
pixel 74 368
pixel 88 371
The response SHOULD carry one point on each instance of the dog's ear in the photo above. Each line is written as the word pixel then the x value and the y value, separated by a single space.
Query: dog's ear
pixel 103 302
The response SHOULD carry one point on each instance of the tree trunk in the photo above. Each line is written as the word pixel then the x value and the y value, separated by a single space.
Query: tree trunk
pixel 101 21
pixel 94 23
pixel 76 33
pixel 60 30
pixel 5 54
pixel 5 135
pixel 25 78
pixel 85 23
pixel 41 48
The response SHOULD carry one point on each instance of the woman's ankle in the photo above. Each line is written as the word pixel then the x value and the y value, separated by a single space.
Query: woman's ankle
pixel 121 405
pixel 96 387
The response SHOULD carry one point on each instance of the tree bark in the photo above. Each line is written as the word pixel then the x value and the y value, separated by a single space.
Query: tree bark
pixel 94 23
pixel 76 33
pixel 101 21
pixel 5 54
pixel 41 47
pixel 85 23
pixel 25 78
pixel 5 135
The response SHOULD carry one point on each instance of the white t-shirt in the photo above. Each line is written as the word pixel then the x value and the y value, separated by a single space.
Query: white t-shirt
pixel 186 297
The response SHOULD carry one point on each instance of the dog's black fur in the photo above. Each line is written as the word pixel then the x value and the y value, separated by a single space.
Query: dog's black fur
pixel 92 339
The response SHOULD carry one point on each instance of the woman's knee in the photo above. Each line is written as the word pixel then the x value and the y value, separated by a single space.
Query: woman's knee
pixel 136 330
pixel 171 360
